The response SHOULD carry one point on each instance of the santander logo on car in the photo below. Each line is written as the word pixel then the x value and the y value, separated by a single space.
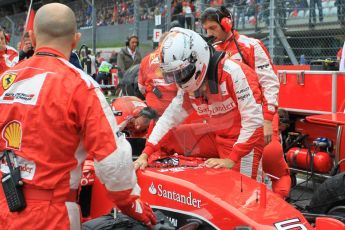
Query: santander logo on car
pixel 187 199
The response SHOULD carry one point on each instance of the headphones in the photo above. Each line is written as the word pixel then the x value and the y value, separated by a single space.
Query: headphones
pixel 130 38
pixel 226 24
pixel 223 17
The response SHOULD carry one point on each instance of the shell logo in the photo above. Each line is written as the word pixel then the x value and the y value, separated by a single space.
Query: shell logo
pixel 8 80
pixel 12 134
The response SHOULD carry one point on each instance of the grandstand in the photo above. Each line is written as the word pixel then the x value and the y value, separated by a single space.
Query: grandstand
pixel 292 31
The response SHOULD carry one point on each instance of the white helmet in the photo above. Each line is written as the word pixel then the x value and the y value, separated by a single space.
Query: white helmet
pixel 185 57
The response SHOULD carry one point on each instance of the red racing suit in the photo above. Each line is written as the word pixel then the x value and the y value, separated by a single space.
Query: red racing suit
pixel 158 94
pixel 8 58
pixel 52 115
pixel 254 54
pixel 257 57
pixel 234 115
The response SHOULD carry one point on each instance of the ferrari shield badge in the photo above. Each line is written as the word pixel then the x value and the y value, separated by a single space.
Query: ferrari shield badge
pixel 8 80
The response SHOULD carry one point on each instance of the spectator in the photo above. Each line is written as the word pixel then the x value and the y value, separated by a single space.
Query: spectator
pixel 264 13
pixel 114 17
pixel 187 10
pixel 342 60
pixel 129 55
pixel 89 64
pixel 99 58
pixel 241 6
pixel 74 59
pixel 28 50
pixel 339 53
pixel 178 13
pixel 281 12
pixel 312 14
pixel 73 118
pixel 302 5
pixel 18 45
pixel 302 59
pixel 104 73
pixel 113 58
pixel 340 11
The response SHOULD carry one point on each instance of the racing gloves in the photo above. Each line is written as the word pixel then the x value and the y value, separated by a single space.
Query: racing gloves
pixel 140 211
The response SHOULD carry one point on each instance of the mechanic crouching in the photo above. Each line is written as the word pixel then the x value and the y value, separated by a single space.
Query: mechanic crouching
pixel 230 103
pixel 52 115
pixel 133 116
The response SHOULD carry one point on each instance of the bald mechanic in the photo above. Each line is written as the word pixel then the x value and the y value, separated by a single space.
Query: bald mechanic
pixel 52 115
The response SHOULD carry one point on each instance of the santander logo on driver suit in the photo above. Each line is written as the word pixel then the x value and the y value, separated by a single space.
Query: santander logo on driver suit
pixel 215 108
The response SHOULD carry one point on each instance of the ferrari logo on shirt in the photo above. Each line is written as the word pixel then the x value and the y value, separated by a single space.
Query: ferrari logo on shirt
pixel 8 80
pixel 12 134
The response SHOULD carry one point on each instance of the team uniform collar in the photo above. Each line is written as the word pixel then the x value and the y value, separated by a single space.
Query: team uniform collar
pixel 225 44
pixel 47 51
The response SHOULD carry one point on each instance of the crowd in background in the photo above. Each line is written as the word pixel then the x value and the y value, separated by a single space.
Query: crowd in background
pixel 110 12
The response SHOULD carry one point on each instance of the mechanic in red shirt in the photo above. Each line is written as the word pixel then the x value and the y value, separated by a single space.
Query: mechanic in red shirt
pixel 218 23
pixel 8 55
pixel 234 113
pixel 158 94
pixel 52 115
pixel 132 115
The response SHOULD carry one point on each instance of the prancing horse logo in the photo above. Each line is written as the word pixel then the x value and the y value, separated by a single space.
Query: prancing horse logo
pixel 8 80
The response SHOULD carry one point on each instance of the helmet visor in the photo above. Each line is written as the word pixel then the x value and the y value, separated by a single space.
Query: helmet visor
pixel 179 76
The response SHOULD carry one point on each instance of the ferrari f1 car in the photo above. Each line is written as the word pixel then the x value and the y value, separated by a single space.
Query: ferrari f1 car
pixel 313 139
pixel 204 198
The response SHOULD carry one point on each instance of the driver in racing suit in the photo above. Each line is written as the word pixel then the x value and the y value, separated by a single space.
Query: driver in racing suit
pixel 219 24
pixel 52 115
pixel 234 114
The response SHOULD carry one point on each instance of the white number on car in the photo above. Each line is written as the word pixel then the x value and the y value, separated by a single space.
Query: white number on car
pixel 294 223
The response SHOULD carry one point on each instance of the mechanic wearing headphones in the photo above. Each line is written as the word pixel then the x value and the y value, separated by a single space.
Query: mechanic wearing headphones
pixel 218 24
pixel 129 55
